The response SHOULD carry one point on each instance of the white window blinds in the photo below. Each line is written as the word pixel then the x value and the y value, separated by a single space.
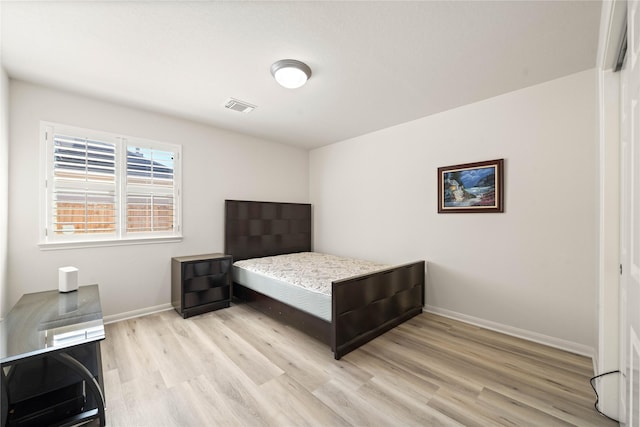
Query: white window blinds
pixel 150 189
pixel 83 193
pixel 101 186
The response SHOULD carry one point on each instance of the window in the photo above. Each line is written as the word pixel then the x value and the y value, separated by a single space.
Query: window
pixel 100 188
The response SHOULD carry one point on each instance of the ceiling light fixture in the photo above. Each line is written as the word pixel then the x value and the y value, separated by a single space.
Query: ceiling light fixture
pixel 290 73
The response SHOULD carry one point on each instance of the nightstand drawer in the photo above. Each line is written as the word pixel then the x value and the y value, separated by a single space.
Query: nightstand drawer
pixel 192 299
pixel 205 268
pixel 203 283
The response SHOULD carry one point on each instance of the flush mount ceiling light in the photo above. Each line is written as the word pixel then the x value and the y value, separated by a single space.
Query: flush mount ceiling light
pixel 290 73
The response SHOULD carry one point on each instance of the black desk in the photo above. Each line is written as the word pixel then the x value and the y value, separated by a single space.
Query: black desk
pixel 51 368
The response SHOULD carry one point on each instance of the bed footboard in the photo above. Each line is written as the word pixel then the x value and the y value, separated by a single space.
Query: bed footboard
pixel 366 306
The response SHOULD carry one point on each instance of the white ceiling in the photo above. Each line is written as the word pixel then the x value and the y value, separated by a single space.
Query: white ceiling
pixel 375 64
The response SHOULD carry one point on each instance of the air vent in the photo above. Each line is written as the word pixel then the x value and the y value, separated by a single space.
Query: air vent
pixel 237 105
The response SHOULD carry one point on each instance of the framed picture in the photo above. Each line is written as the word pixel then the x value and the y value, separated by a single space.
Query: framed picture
pixel 471 187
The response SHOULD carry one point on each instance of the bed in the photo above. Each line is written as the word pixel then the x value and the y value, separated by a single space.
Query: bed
pixel 362 307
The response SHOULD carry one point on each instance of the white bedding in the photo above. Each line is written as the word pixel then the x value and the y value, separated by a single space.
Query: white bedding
pixel 302 280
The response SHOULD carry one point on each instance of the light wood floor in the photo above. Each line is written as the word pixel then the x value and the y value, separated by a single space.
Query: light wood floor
pixel 237 367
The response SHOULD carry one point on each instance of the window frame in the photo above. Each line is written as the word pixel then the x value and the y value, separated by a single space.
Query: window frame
pixel 51 240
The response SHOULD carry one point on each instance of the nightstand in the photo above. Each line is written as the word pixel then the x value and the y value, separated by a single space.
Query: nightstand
pixel 200 283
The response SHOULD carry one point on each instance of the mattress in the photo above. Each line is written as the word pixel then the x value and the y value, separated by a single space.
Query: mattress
pixel 302 280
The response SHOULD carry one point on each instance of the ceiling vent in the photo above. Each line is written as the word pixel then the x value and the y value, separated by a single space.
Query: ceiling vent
pixel 237 105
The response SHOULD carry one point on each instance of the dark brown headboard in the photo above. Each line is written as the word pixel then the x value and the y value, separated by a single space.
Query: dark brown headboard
pixel 258 229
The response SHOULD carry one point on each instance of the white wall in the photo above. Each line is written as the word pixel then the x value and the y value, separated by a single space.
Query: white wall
pixel 530 271
pixel 216 165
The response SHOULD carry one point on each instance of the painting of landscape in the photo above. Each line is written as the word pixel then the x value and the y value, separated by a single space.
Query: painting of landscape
pixel 472 187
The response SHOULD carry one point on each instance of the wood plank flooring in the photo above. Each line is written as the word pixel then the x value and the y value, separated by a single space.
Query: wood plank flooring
pixel 236 367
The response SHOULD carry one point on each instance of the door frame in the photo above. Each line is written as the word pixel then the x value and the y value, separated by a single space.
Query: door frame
pixel 607 354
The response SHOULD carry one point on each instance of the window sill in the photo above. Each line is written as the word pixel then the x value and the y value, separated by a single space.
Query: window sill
pixel 80 244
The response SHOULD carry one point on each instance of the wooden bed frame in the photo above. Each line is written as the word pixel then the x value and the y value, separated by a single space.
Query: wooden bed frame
pixel 363 307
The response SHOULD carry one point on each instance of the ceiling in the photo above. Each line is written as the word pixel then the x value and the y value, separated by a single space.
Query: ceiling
pixel 375 64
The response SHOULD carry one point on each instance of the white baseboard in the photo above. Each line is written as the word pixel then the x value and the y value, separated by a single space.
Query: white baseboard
pixel 137 313
pixel 569 346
